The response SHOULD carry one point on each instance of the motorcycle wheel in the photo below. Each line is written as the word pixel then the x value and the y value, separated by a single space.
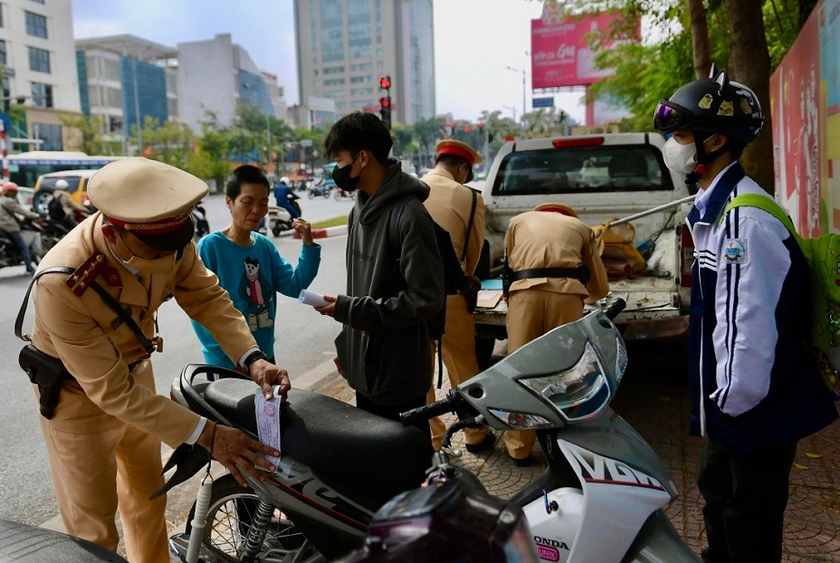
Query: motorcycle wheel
pixel 41 202
pixel 311 194
pixel 327 193
pixel 337 195
pixel 230 514
pixel 275 230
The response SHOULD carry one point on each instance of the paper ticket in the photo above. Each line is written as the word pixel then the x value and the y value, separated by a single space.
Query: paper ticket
pixel 268 420
pixel 311 298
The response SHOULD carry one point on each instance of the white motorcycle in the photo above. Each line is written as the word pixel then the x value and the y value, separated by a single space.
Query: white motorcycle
pixel 602 496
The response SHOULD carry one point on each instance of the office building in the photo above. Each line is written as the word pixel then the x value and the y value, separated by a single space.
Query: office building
pixel 126 79
pixel 344 46
pixel 216 76
pixel 39 71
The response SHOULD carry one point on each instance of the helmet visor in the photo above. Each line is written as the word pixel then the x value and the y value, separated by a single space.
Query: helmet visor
pixel 670 117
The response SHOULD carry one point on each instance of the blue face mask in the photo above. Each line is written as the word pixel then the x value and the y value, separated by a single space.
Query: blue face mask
pixel 342 177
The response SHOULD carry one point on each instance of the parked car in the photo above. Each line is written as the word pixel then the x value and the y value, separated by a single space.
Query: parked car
pixel 77 181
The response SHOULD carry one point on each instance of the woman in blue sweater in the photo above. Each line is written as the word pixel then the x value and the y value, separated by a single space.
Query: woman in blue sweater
pixel 248 264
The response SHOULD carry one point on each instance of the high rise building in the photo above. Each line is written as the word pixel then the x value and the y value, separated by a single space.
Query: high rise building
pixel 217 75
pixel 125 79
pixel 38 69
pixel 344 46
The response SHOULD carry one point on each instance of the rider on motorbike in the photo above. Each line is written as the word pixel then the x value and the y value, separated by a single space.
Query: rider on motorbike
pixel 9 210
pixel 62 209
pixel 284 195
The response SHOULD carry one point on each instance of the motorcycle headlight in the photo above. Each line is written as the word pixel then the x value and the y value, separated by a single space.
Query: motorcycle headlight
pixel 521 420
pixel 578 392
pixel 620 359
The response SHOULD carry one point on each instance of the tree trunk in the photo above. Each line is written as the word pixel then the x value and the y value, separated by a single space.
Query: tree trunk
pixel 700 38
pixel 750 64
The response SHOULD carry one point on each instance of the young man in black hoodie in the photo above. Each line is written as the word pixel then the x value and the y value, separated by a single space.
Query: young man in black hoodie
pixel 384 348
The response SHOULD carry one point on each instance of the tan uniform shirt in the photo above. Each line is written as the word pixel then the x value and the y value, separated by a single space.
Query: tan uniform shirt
pixel 81 331
pixel 449 204
pixel 541 239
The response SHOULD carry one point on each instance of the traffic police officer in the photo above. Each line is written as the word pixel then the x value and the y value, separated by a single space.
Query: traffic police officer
pixel 460 210
pixel 546 249
pixel 103 439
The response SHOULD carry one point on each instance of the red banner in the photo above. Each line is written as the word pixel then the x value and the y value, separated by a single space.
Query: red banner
pixel 560 54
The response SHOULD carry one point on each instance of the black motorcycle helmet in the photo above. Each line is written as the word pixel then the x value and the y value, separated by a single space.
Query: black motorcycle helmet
pixel 712 105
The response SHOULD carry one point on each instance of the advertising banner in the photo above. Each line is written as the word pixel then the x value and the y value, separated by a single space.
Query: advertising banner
pixel 560 54
pixel 805 107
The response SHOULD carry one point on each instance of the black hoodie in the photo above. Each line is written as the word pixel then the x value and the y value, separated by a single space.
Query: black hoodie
pixel 384 346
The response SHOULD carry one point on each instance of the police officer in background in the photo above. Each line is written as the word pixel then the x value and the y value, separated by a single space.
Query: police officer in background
pixel 555 266
pixel 103 438
pixel 460 210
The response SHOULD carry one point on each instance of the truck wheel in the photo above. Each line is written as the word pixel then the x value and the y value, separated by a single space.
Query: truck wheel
pixel 484 351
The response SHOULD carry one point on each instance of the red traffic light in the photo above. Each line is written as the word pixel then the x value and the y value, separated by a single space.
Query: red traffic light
pixel 385 82
pixel 384 102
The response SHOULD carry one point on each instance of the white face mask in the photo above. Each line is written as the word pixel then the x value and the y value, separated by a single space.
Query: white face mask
pixel 679 158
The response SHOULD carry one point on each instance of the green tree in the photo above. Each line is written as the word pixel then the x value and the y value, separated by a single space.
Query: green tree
pixel 89 138
pixel 428 132
pixel 169 142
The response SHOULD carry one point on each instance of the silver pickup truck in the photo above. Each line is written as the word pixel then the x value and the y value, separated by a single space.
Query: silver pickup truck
pixel 602 177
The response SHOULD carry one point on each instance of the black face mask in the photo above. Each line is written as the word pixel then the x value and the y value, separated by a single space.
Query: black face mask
pixel 469 176
pixel 342 178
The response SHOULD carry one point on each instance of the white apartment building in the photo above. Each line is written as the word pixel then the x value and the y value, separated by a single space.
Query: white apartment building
pixel 39 68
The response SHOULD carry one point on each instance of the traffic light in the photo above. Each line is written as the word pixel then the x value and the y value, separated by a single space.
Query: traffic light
pixel 385 111
pixel 385 102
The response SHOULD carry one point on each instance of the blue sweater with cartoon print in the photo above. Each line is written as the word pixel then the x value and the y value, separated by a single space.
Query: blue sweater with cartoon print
pixel 252 276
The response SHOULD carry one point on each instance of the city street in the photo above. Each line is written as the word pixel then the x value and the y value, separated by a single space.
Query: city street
pixel 304 341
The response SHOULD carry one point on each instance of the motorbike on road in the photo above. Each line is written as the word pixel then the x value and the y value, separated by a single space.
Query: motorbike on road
pixel 602 495
pixel 280 219
pixel 318 503
pixel 199 218
pixel 321 189
pixel 33 236
pixel 342 194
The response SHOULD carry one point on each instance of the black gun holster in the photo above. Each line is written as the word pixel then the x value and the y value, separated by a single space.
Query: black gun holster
pixel 47 373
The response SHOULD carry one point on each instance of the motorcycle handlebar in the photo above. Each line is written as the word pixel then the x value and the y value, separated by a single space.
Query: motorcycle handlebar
pixel 427 412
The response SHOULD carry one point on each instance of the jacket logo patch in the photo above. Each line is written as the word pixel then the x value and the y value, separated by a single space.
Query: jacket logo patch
pixel 735 251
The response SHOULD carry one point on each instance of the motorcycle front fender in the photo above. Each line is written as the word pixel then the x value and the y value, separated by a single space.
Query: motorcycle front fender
pixel 658 540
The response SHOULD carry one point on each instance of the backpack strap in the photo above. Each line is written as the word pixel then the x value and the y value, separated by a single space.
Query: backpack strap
pixel 762 202
pixel 112 303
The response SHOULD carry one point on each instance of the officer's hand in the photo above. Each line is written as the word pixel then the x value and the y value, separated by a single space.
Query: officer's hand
pixel 267 374
pixel 304 229
pixel 236 452
pixel 328 309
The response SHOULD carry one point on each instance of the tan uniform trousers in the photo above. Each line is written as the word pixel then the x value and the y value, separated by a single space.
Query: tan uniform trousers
pixel 532 313
pixel 461 363
pixel 98 464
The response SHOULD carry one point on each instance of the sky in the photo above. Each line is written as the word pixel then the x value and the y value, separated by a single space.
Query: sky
pixel 475 40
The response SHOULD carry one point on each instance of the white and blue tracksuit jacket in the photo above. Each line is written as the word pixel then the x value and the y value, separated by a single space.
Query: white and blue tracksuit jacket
pixel 754 383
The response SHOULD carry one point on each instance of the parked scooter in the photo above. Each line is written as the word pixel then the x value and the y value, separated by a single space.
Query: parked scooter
pixel 601 497
pixel 339 465
pixel 32 232
pixel 280 218
pixel 199 217
pixel 20 543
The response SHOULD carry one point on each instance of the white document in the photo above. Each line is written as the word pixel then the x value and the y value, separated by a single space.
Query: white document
pixel 268 420
pixel 311 298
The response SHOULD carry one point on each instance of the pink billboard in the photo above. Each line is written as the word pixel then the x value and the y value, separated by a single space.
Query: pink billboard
pixel 560 53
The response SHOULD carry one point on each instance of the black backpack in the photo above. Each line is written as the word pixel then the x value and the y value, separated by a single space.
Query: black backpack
pixel 55 210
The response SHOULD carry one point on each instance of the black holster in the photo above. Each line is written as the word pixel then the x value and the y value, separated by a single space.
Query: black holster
pixel 472 285
pixel 47 373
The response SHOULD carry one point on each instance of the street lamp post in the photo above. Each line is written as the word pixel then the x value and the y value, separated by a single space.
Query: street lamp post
pixel 522 70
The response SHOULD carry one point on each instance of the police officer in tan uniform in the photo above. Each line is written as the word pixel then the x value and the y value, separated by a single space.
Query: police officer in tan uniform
pixel 103 439
pixel 451 204
pixel 546 249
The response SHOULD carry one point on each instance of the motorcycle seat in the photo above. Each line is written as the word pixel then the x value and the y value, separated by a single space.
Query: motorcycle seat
pixel 27 544
pixel 345 446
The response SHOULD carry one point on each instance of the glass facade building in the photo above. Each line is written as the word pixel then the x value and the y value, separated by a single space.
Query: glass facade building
pixel 344 46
